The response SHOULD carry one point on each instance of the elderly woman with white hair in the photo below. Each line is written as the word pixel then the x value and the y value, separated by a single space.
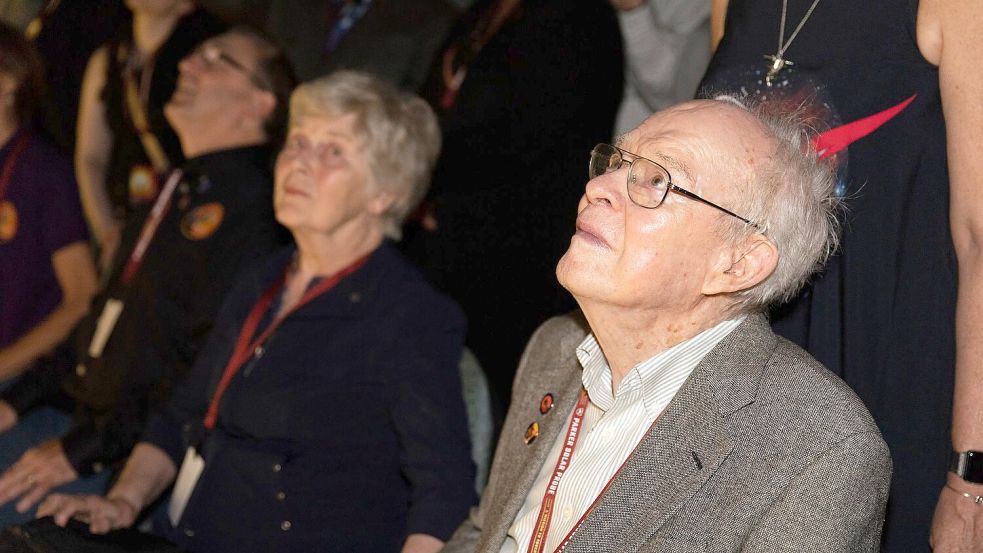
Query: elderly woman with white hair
pixel 325 413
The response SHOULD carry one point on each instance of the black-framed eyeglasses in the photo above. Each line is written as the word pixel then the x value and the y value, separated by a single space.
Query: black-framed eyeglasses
pixel 212 55
pixel 648 182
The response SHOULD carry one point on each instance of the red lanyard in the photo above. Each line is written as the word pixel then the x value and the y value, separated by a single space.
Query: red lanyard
pixel 246 348
pixel 10 163
pixel 541 530
pixel 542 527
pixel 161 206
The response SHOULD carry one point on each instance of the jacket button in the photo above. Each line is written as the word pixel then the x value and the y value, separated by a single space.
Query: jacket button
pixel 285 525
pixel 80 370
pixel 189 532
pixel 280 496
pixel 277 467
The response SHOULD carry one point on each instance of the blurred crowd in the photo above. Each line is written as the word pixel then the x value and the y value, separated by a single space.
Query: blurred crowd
pixel 268 267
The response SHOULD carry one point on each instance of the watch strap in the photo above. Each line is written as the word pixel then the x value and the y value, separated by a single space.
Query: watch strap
pixel 967 465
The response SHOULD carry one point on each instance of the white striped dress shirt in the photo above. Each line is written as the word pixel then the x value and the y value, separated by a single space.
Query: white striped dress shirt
pixel 613 425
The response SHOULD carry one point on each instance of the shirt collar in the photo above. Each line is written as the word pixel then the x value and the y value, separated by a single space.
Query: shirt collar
pixel 658 377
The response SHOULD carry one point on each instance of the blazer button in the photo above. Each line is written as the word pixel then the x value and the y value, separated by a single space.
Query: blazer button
pixel 280 496
pixel 80 370
pixel 285 525
pixel 189 532
pixel 277 467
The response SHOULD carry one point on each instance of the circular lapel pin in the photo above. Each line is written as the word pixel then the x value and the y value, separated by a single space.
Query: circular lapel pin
pixel 546 404
pixel 8 221
pixel 202 221
pixel 531 433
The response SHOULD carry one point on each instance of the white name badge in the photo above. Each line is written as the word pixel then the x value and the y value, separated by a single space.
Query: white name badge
pixel 187 478
pixel 104 326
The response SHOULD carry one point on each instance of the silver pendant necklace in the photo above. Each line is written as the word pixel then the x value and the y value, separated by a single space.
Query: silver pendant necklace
pixel 777 62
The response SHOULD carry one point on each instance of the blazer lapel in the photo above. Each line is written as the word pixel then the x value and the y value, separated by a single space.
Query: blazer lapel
pixel 687 445
pixel 553 370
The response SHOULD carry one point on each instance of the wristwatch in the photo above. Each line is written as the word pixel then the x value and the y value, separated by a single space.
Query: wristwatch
pixel 968 465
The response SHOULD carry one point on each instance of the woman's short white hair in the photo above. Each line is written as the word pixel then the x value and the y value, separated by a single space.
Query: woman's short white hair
pixel 793 202
pixel 397 130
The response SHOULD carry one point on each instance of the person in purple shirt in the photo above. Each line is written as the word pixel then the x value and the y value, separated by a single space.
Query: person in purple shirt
pixel 47 276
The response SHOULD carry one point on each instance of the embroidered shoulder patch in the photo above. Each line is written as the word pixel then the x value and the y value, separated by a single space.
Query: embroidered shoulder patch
pixel 202 221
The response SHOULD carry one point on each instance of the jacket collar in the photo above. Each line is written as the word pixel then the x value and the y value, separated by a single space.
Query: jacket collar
pixel 354 296
pixel 672 462
pixel 688 444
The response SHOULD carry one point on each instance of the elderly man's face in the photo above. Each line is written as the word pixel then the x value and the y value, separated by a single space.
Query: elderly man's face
pixel 215 86
pixel 662 259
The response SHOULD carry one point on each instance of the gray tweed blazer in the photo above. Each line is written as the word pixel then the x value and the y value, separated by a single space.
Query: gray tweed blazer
pixel 762 449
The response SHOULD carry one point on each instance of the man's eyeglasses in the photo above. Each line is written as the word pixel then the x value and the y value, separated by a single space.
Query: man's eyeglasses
pixel 212 55
pixel 648 182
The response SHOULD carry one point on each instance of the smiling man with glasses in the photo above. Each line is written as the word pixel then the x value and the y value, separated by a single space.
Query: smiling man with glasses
pixel 666 415
pixel 216 218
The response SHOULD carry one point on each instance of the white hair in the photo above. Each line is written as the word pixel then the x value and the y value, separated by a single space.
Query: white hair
pixel 792 201
pixel 398 131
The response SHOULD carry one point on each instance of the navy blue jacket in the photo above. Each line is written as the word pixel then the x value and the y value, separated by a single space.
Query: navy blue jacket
pixel 347 434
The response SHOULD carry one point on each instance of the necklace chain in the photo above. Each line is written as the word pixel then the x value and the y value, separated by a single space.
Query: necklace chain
pixel 782 45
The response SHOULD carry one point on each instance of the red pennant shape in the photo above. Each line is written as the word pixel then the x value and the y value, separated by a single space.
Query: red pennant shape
pixel 838 138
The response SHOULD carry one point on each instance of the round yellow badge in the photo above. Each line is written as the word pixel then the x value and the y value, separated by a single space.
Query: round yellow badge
pixel 143 186
pixel 202 221
pixel 8 221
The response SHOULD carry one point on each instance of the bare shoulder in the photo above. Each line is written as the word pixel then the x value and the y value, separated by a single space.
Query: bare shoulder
pixel 942 23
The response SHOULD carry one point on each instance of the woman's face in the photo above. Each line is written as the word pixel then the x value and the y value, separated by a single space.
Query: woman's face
pixel 323 181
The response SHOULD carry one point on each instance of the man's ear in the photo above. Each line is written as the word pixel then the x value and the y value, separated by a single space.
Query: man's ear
pixel 263 104
pixel 742 266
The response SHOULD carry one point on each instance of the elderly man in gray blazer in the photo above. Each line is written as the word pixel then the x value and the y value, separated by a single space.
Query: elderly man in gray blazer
pixel 667 417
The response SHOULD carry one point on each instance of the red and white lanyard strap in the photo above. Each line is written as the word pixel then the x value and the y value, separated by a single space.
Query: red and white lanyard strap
pixel 157 212
pixel 604 490
pixel 541 530
pixel 246 346
pixel 10 163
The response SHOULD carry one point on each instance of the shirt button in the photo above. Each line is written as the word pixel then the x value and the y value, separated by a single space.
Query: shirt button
pixel 277 467
pixel 280 496
pixel 567 513
pixel 80 370
pixel 285 525
pixel 189 532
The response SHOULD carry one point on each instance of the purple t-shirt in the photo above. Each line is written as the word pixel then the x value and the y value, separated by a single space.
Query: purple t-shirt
pixel 39 214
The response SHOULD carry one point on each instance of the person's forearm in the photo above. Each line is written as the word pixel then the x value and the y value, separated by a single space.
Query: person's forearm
pixel 18 356
pixel 148 472
pixel 967 419
pixel 76 274
pixel 91 176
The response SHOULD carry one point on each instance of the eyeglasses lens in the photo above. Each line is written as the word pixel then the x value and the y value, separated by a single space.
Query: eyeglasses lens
pixel 603 160
pixel 647 183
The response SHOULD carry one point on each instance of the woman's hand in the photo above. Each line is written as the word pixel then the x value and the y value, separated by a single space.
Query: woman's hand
pixel 101 513
pixel 39 470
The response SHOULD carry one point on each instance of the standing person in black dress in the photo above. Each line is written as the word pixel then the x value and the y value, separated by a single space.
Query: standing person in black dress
pixel 522 89
pixel 887 314
pixel 124 143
